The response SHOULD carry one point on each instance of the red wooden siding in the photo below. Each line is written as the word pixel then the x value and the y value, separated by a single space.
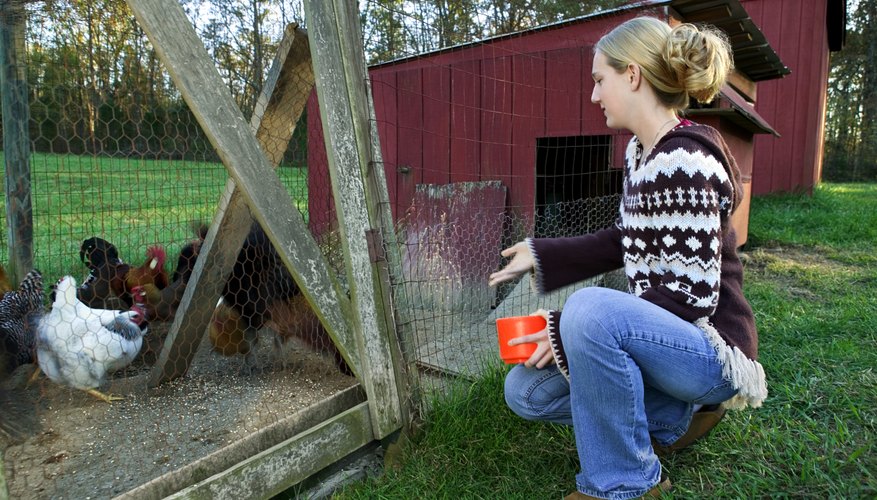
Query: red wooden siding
pixel 528 106
pixel 496 117
pixel 409 159
pixel 436 123
pixel 794 105
pixel 563 92
pixel 474 113
pixel 465 121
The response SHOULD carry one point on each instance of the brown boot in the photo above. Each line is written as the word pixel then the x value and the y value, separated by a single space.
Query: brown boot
pixel 657 491
pixel 702 422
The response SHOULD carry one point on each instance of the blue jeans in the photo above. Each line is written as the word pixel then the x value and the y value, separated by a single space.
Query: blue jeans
pixel 636 370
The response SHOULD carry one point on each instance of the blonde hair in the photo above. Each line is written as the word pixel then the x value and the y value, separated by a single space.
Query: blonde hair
pixel 679 63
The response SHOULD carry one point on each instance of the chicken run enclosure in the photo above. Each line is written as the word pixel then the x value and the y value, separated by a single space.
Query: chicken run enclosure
pixel 269 318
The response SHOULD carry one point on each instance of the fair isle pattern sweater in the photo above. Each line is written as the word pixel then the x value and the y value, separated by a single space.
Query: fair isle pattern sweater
pixel 673 238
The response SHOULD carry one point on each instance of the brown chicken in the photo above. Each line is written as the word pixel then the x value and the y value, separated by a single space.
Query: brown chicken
pixel 260 292
pixel 161 304
pixel 150 272
pixel 228 331
pixel 5 285
pixel 294 318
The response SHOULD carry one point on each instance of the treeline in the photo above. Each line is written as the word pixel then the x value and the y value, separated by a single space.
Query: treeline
pixel 96 85
pixel 851 121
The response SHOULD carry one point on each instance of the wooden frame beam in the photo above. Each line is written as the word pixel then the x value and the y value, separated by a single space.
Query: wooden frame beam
pixel 259 188
pixel 362 207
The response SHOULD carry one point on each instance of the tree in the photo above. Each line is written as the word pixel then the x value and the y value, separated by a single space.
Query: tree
pixel 850 131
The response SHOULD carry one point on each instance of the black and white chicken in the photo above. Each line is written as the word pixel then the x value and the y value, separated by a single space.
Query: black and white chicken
pixel 20 311
pixel 78 346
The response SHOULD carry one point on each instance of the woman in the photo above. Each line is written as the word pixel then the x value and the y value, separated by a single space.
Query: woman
pixel 630 370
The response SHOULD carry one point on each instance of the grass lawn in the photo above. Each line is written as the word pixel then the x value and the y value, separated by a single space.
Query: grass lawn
pixel 131 202
pixel 811 276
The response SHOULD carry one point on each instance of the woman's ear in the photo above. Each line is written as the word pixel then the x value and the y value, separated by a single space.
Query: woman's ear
pixel 634 76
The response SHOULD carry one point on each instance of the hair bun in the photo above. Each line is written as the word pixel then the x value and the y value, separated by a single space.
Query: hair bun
pixel 700 58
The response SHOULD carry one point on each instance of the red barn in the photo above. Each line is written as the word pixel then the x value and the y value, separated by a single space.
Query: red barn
pixel 516 109
pixel 802 32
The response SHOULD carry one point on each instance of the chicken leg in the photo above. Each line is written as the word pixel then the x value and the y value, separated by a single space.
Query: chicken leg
pixel 109 398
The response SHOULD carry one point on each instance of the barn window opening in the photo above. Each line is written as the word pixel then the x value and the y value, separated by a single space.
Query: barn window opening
pixel 577 189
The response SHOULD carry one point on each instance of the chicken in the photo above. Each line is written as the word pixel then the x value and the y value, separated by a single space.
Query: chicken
pixel 150 272
pixel 294 318
pixel 260 292
pixel 20 311
pixel 78 346
pixel 161 304
pixel 5 285
pixel 258 279
pixel 227 331
pixel 106 273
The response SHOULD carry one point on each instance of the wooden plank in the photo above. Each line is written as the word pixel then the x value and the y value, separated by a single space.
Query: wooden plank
pixel 384 96
pixel 345 110
pixel 4 490
pixel 743 85
pixel 16 140
pixel 241 450
pixel 286 464
pixel 410 135
pixel 195 76
pixel 528 105
pixel 465 121
pixel 563 97
pixel 436 129
pixel 321 206
pixel 454 240
pixel 496 119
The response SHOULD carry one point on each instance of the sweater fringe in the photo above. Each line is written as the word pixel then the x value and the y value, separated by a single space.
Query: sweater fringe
pixel 746 374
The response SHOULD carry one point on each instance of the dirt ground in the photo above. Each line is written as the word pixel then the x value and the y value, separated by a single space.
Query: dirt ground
pixel 85 448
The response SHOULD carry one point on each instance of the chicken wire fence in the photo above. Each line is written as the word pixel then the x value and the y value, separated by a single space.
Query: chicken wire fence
pixel 123 182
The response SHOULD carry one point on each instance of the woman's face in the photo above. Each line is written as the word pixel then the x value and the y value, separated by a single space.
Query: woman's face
pixel 610 89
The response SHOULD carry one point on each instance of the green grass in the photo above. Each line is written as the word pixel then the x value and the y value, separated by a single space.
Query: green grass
pixel 131 202
pixel 811 276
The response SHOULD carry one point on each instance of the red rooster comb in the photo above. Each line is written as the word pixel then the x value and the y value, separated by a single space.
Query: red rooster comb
pixel 157 255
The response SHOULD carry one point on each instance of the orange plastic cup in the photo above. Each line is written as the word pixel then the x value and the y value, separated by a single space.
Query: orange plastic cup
pixel 513 327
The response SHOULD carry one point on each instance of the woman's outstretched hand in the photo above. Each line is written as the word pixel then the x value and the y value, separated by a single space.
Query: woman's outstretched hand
pixel 522 262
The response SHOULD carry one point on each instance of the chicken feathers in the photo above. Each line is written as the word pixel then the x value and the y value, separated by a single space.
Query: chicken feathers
pixel 19 314
pixel 106 273
pixel 78 346
pixel 150 272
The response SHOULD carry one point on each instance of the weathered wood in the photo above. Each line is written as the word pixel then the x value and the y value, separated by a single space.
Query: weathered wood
pixel 743 85
pixel 194 74
pixel 339 66
pixel 276 469
pixel 4 490
pixel 221 460
pixel 16 140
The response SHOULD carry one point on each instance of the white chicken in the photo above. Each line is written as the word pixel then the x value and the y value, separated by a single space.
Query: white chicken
pixel 77 345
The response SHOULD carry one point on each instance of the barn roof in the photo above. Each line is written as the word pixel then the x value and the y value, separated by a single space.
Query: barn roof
pixel 753 55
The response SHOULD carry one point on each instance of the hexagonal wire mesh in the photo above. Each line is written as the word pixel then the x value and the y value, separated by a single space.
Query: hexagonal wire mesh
pixel 483 144
pixel 124 160
pixel 123 182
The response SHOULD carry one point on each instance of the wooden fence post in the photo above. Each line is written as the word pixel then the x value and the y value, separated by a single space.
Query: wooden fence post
pixel 197 79
pixel 363 207
pixel 16 140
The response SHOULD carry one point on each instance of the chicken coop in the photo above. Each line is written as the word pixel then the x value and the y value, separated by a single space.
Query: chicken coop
pixel 236 294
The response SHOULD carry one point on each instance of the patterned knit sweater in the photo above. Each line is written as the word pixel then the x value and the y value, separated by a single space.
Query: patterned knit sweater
pixel 678 250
